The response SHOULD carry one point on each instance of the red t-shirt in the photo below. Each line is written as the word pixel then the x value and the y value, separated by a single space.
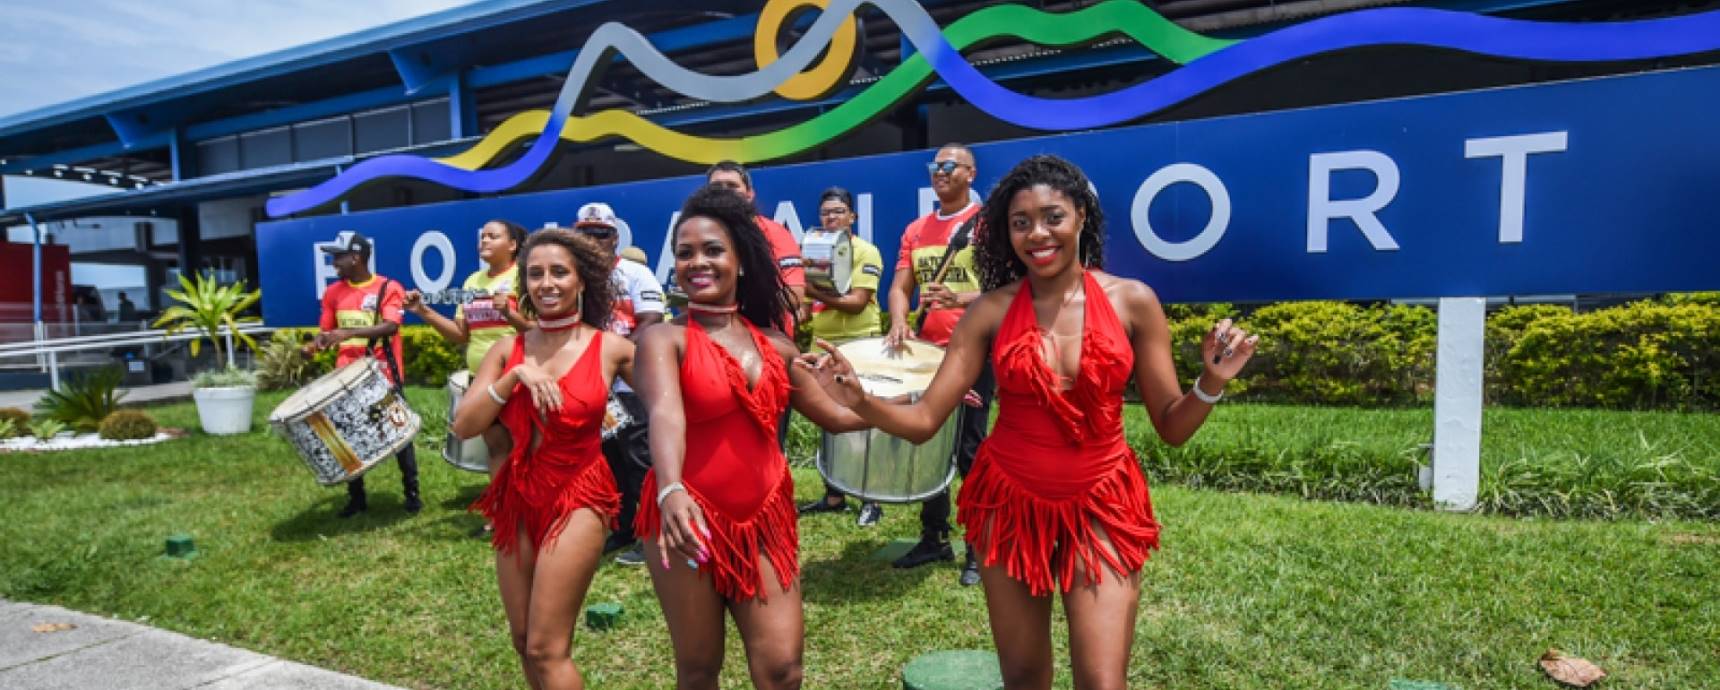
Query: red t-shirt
pixel 348 305
pixel 922 252
pixel 787 251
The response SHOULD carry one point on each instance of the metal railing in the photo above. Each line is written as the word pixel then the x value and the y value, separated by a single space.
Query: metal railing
pixel 47 350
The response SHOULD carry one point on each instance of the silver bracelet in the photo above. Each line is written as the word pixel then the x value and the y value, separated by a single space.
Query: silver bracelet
pixel 491 389
pixel 665 491
pixel 1204 396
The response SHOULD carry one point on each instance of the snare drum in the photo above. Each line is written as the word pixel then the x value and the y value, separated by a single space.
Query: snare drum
pixel 873 465
pixel 472 454
pixel 828 258
pixel 346 422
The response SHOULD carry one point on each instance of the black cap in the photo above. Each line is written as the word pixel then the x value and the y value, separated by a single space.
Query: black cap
pixel 345 242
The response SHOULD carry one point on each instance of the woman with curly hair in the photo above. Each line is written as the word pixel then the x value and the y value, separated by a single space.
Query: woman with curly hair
pixel 1056 501
pixel 720 534
pixel 554 498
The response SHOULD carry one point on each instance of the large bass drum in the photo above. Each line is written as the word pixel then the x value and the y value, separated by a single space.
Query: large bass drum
pixel 828 258
pixel 873 465
pixel 346 422
pixel 472 454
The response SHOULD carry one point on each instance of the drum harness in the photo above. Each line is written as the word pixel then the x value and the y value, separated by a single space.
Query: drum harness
pixel 958 241
pixel 387 343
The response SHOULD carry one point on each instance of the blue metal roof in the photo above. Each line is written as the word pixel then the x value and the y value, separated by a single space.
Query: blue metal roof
pixel 370 42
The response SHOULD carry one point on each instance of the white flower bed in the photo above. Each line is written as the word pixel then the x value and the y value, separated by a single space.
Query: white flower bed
pixel 69 441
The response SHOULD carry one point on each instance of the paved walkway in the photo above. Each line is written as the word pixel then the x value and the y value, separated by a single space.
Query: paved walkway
pixel 178 390
pixel 116 655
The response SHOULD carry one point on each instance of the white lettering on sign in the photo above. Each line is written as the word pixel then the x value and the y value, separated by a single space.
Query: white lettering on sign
pixel 666 258
pixel 1513 153
pixel 1216 223
pixel 433 239
pixel 1322 208
pixel 864 225
pixel 788 218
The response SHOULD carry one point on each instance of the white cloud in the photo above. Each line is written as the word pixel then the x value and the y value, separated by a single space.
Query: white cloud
pixel 59 51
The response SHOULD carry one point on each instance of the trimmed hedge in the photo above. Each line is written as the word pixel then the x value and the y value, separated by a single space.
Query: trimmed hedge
pixel 1652 354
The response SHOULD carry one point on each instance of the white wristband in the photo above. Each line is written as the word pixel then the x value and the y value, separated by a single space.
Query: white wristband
pixel 491 389
pixel 665 491
pixel 1204 396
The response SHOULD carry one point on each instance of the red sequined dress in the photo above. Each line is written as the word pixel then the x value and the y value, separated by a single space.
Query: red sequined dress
pixel 733 468
pixel 541 488
pixel 1056 470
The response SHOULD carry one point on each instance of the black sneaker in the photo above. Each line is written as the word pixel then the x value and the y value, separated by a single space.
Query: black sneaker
pixel 931 548
pixel 633 556
pixel 970 569
pixel 618 541
pixel 870 514
pixel 483 532
pixel 352 508
pixel 823 505
pixel 412 504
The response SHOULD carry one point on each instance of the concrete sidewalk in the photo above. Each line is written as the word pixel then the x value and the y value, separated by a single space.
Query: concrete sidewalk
pixel 178 390
pixel 105 653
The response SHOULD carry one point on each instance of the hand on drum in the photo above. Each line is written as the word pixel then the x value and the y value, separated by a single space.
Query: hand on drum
pixel 834 374
pixel 898 334
pixel 683 530
pixel 1225 350
pixel 544 389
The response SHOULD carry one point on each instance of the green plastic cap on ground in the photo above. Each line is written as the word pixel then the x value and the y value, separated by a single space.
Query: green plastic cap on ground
pixel 602 616
pixel 1401 684
pixel 953 670
pixel 180 546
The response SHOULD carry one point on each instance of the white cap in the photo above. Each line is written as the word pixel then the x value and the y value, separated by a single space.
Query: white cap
pixel 597 214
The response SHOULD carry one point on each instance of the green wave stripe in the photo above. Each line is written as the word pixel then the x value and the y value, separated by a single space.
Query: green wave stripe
pixel 1127 17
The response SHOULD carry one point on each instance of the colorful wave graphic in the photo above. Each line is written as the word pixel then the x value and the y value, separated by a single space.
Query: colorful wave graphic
pixel 1207 64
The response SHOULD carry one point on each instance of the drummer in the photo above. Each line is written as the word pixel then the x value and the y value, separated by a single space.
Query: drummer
pixel 925 254
pixel 359 308
pixel 839 317
pixel 638 303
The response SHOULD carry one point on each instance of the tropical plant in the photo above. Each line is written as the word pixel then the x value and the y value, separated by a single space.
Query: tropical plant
pixel 125 425
pixel 225 378
pixel 282 363
pixel 46 429
pixel 207 306
pixel 83 401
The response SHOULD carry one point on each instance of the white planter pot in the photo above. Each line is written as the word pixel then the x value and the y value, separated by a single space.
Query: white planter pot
pixel 224 411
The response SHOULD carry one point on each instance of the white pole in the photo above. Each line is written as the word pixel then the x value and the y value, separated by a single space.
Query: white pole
pixel 1457 402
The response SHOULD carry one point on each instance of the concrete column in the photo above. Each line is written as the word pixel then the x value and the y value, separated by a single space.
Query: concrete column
pixel 1457 402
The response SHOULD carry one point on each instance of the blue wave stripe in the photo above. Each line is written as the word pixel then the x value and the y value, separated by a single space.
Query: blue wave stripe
pixel 1490 36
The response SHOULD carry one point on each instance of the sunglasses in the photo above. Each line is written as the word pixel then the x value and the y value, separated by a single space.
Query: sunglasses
pixel 600 233
pixel 945 167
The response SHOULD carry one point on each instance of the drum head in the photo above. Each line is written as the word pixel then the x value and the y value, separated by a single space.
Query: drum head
pixel 886 373
pixel 314 394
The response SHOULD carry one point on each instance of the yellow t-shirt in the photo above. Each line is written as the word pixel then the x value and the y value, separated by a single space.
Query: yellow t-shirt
pixel 485 324
pixel 835 325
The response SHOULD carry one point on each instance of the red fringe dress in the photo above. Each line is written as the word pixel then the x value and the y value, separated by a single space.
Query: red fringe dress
pixel 1056 469
pixel 540 490
pixel 733 468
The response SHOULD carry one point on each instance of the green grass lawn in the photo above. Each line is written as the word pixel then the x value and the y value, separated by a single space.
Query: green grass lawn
pixel 1250 591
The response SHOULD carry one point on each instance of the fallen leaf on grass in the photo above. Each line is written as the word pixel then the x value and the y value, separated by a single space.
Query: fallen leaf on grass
pixel 1574 671
pixel 51 627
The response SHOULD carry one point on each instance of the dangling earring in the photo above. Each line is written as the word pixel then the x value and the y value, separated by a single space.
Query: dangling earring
pixel 741 272
pixel 579 305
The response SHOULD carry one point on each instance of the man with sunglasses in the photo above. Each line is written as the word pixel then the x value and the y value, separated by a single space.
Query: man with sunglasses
pixel 925 254
pixel 638 304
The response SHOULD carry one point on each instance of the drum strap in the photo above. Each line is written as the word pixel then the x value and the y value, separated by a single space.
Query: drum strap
pixel 958 241
pixel 387 344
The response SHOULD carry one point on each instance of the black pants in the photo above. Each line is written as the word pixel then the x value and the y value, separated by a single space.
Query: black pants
pixel 935 512
pixel 629 456
pixel 408 458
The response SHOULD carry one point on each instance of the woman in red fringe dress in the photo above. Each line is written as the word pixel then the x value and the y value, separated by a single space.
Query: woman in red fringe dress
pixel 1056 501
pixel 721 533
pixel 554 499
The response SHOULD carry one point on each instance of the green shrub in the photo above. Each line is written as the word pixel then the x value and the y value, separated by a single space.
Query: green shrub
pixel 84 400
pixel 46 429
pixel 1341 353
pixel 20 421
pixel 429 357
pixel 125 425
pixel 8 429
pixel 1641 355
pixel 281 364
